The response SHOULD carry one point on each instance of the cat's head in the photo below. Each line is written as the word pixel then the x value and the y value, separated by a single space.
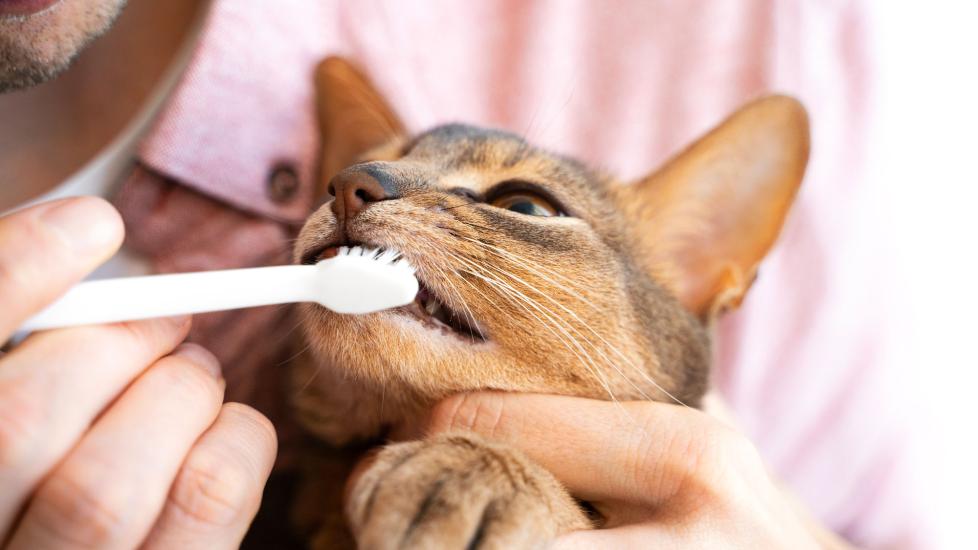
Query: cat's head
pixel 538 273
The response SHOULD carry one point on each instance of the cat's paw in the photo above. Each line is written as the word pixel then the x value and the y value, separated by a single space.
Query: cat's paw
pixel 458 491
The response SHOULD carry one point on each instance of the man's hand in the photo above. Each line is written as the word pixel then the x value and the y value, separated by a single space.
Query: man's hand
pixel 662 476
pixel 112 436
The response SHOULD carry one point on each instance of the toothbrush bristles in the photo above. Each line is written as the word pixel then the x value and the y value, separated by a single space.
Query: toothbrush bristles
pixel 384 255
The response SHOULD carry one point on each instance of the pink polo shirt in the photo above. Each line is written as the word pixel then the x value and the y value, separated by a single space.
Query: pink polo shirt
pixel 805 365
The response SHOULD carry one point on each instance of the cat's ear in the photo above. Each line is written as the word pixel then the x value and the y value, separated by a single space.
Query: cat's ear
pixel 353 117
pixel 708 217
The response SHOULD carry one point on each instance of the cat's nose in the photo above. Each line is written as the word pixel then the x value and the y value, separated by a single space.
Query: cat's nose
pixel 354 190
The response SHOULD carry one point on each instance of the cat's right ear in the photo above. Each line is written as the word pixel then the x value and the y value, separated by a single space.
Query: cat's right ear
pixel 353 118
pixel 707 218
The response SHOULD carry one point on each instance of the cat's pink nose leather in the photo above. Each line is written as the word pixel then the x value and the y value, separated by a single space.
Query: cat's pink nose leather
pixel 353 191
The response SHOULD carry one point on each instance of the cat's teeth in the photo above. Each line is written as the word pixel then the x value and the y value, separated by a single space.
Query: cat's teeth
pixel 432 306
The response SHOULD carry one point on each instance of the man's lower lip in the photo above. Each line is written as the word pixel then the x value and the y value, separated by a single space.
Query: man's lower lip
pixel 24 7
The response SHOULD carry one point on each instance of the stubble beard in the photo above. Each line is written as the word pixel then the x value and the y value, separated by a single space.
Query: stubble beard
pixel 38 47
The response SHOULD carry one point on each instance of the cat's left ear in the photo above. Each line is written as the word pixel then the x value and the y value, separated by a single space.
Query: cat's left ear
pixel 708 217
pixel 353 117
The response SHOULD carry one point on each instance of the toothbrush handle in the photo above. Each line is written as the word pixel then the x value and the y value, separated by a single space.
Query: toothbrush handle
pixel 132 298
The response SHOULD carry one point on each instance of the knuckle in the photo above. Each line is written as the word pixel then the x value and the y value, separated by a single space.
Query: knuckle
pixel 109 342
pixel 13 279
pixel 643 449
pixel 445 415
pixel 76 509
pixel 213 493
pixel 186 379
pixel 717 452
pixel 667 451
pixel 481 413
pixel 142 334
pixel 258 424
pixel 248 415
pixel 134 334
pixel 21 265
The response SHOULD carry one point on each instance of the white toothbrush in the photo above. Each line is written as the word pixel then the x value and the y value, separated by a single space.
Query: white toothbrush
pixel 357 280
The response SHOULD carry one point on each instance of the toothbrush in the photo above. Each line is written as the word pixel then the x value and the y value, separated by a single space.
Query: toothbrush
pixel 357 280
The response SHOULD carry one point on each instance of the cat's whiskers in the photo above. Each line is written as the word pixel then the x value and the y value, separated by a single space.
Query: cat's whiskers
pixel 470 224
pixel 299 353
pixel 592 368
pixel 581 338
pixel 610 346
pixel 475 225
pixel 582 323
pixel 476 289
pixel 573 285
pixel 454 300
pixel 567 339
pixel 563 336
pixel 295 315
pixel 439 196
pixel 288 247
pixel 315 371
pixel 480 272
pixel 535 268
pixel 461 300
pixel 580 296
pixel 470 203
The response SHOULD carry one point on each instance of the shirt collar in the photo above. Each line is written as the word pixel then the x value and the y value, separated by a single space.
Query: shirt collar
pixel 244 107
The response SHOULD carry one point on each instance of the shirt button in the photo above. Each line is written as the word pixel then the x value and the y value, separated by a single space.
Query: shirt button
pixel 283 183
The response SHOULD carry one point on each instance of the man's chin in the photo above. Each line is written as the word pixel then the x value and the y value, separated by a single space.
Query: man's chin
pixel 22 77
pixel 37 47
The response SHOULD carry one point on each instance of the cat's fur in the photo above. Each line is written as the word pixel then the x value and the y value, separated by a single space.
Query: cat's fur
pixel 611 301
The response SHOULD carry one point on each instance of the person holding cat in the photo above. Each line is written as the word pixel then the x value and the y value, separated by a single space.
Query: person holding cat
pixel 81 407
pixel 214 139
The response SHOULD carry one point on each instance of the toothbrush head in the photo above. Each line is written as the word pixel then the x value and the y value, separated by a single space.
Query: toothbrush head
pixel 364 280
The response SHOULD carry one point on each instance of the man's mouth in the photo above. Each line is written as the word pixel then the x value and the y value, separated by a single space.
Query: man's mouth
pixel 427 308
pixel 20 8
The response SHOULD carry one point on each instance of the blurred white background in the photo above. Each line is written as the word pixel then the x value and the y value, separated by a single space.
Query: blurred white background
pixel 923 164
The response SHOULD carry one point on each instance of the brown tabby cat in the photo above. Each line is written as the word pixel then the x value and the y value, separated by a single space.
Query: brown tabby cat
pixel 537 274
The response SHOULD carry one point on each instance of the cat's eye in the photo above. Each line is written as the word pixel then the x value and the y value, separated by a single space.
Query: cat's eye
pixel 522 202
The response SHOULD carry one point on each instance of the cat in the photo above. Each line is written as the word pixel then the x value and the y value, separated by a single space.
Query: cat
pixel 537 274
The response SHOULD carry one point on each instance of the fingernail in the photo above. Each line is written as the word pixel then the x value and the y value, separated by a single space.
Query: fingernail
pixel 201 357
pixel 88 225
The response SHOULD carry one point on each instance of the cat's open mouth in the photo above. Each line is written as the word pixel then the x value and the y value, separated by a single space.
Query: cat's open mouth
pixel 434 314
pixel 426 308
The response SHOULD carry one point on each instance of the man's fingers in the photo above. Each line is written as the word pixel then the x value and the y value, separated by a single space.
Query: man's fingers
pixel 111 487
pixel 56 383
pixel 602 451
pixel 46 248
pixel 218 490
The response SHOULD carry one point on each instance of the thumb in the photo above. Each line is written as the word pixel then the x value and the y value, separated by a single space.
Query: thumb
pixel 46 248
